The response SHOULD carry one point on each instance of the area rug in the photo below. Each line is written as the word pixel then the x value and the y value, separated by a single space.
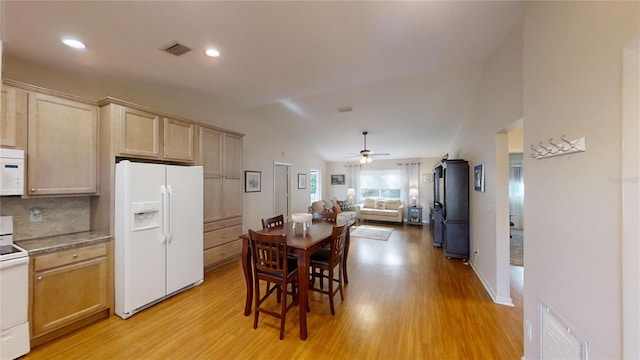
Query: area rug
pixel 517 240
pixel 372 232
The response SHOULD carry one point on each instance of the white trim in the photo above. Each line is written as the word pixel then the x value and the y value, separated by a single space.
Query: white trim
pixel 496 299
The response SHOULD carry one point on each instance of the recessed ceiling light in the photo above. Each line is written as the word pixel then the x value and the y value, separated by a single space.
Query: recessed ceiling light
pixel 76 44
pixel 212 53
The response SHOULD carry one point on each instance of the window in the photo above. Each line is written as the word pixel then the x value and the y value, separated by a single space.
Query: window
pixel 314 185
pixel 380 183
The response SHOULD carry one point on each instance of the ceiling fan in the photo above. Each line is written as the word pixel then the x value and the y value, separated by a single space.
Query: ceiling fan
pixel 366 155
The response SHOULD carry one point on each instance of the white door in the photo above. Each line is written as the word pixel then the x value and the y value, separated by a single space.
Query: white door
pixel 281 189
pixel 184 226
pixel 140 247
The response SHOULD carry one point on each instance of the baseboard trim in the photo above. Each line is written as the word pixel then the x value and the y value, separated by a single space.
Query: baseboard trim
pixel 496 299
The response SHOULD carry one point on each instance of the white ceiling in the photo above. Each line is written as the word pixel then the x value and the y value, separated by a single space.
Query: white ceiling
pixel 408 69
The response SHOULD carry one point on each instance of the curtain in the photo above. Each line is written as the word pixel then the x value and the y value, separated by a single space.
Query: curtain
pixel 353 180
pixel 410 174
pixel 516 190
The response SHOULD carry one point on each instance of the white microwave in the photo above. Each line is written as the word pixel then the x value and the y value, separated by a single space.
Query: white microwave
pixel 11 172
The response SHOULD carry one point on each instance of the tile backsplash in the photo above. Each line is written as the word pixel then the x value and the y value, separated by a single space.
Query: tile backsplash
pixel 59 215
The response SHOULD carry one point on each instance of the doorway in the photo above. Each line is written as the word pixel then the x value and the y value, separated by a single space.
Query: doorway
pixel 281 189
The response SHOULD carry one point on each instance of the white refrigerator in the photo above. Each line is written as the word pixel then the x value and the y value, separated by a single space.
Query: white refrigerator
pixel 158 233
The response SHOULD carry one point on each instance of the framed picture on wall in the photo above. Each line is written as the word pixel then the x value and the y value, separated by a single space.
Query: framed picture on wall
pixel 337 179
pixel 478 178
pixel 252 181
pixel 302 181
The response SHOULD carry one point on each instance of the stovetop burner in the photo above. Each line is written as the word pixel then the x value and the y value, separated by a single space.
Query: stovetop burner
pixel 8 252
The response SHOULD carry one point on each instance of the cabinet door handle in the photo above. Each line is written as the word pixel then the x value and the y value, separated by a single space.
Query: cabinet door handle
pixel 39 278
pixel 75 256
pixel 33 189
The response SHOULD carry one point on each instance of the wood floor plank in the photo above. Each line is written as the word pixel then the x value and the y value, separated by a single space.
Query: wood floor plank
pixel 404 300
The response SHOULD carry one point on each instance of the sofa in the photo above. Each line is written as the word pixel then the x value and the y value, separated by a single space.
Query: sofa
pixel 390 210
pixel 345 213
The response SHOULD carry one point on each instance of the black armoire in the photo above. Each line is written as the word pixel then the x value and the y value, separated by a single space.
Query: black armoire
pixel 450 211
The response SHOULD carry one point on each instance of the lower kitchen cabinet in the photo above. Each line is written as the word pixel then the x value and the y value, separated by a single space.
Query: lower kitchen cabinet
pixel 69 290
pixel 222 242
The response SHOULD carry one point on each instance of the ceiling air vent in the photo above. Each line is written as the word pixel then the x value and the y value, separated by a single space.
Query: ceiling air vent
pixel 176 49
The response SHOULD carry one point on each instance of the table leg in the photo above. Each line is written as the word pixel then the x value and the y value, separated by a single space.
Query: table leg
pixel 303 288
pixel 248 276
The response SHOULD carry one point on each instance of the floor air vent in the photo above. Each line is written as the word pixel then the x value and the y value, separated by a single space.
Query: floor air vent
pixel 176 49
pixel 558 340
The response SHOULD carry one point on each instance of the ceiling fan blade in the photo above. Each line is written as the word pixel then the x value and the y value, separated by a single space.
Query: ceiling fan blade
pixel 379 154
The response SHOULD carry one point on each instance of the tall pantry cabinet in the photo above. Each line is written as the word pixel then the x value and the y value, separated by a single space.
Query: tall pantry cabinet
pixel 453 231
pixel 221 157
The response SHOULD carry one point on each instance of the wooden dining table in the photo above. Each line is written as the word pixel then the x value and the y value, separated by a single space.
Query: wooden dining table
pixel 301 243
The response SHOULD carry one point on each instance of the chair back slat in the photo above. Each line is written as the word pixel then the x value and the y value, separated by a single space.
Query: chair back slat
pixel 269 252
pixel 338 236
pixel 325 216
pixel 272 222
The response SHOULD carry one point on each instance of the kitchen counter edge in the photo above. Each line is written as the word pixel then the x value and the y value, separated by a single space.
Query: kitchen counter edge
pixel 55 243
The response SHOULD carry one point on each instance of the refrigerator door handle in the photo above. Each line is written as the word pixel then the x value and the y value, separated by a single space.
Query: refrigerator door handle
pixel 170 215
pixel 163 194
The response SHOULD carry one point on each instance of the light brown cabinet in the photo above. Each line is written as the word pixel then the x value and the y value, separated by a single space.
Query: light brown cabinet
pixel 221 158
pixel 178 139
pixel 67 287
pixel 148 135
pixel 62 146
pixel 13 117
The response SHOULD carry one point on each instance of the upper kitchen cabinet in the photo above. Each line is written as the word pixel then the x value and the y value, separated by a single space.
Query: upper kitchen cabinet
pixel 12 117
pixel 140 133
pixel 178 139
pixel 62 146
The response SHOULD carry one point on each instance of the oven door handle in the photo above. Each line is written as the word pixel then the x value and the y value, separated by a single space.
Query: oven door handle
pixel 5 264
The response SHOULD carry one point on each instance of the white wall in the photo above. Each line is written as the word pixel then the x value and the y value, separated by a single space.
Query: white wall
pixel 572 86
pixel 497 106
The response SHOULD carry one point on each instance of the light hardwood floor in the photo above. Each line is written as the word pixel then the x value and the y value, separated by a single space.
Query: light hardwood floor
pixel 404 301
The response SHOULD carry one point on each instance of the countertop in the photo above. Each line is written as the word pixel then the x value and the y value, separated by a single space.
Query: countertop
pixel 48 244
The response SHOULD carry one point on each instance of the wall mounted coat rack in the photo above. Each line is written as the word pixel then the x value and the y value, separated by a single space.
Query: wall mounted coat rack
pixel 553 148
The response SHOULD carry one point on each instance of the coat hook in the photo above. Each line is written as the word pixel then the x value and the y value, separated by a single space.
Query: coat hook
pixel 546 150
pixel 555 147
pixel 571 145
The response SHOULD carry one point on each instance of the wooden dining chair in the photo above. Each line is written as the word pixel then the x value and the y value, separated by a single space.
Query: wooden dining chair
pixel 326 260
pixel 268 223
pixel 325 216
pixel 271 264
pixel 272 222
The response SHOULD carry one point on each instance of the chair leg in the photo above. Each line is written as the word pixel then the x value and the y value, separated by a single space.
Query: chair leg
pixel 330 281
pixel 340 281
pixel 256 312
pixel 283 314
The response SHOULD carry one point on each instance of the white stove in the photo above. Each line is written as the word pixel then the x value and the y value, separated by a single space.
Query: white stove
pixel 14 294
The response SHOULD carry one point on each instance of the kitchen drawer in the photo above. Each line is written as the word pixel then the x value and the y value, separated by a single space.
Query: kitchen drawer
pixel 220 237
pixel 217 225
pixel 222 252
pixel 68 257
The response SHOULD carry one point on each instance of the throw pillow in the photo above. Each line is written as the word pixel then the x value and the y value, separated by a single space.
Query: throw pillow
pixel 317 206
pixel 369 203
pixel 328 205
pixel 380 204
pixel 336 209
pixel 393 204
pixel 344 205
